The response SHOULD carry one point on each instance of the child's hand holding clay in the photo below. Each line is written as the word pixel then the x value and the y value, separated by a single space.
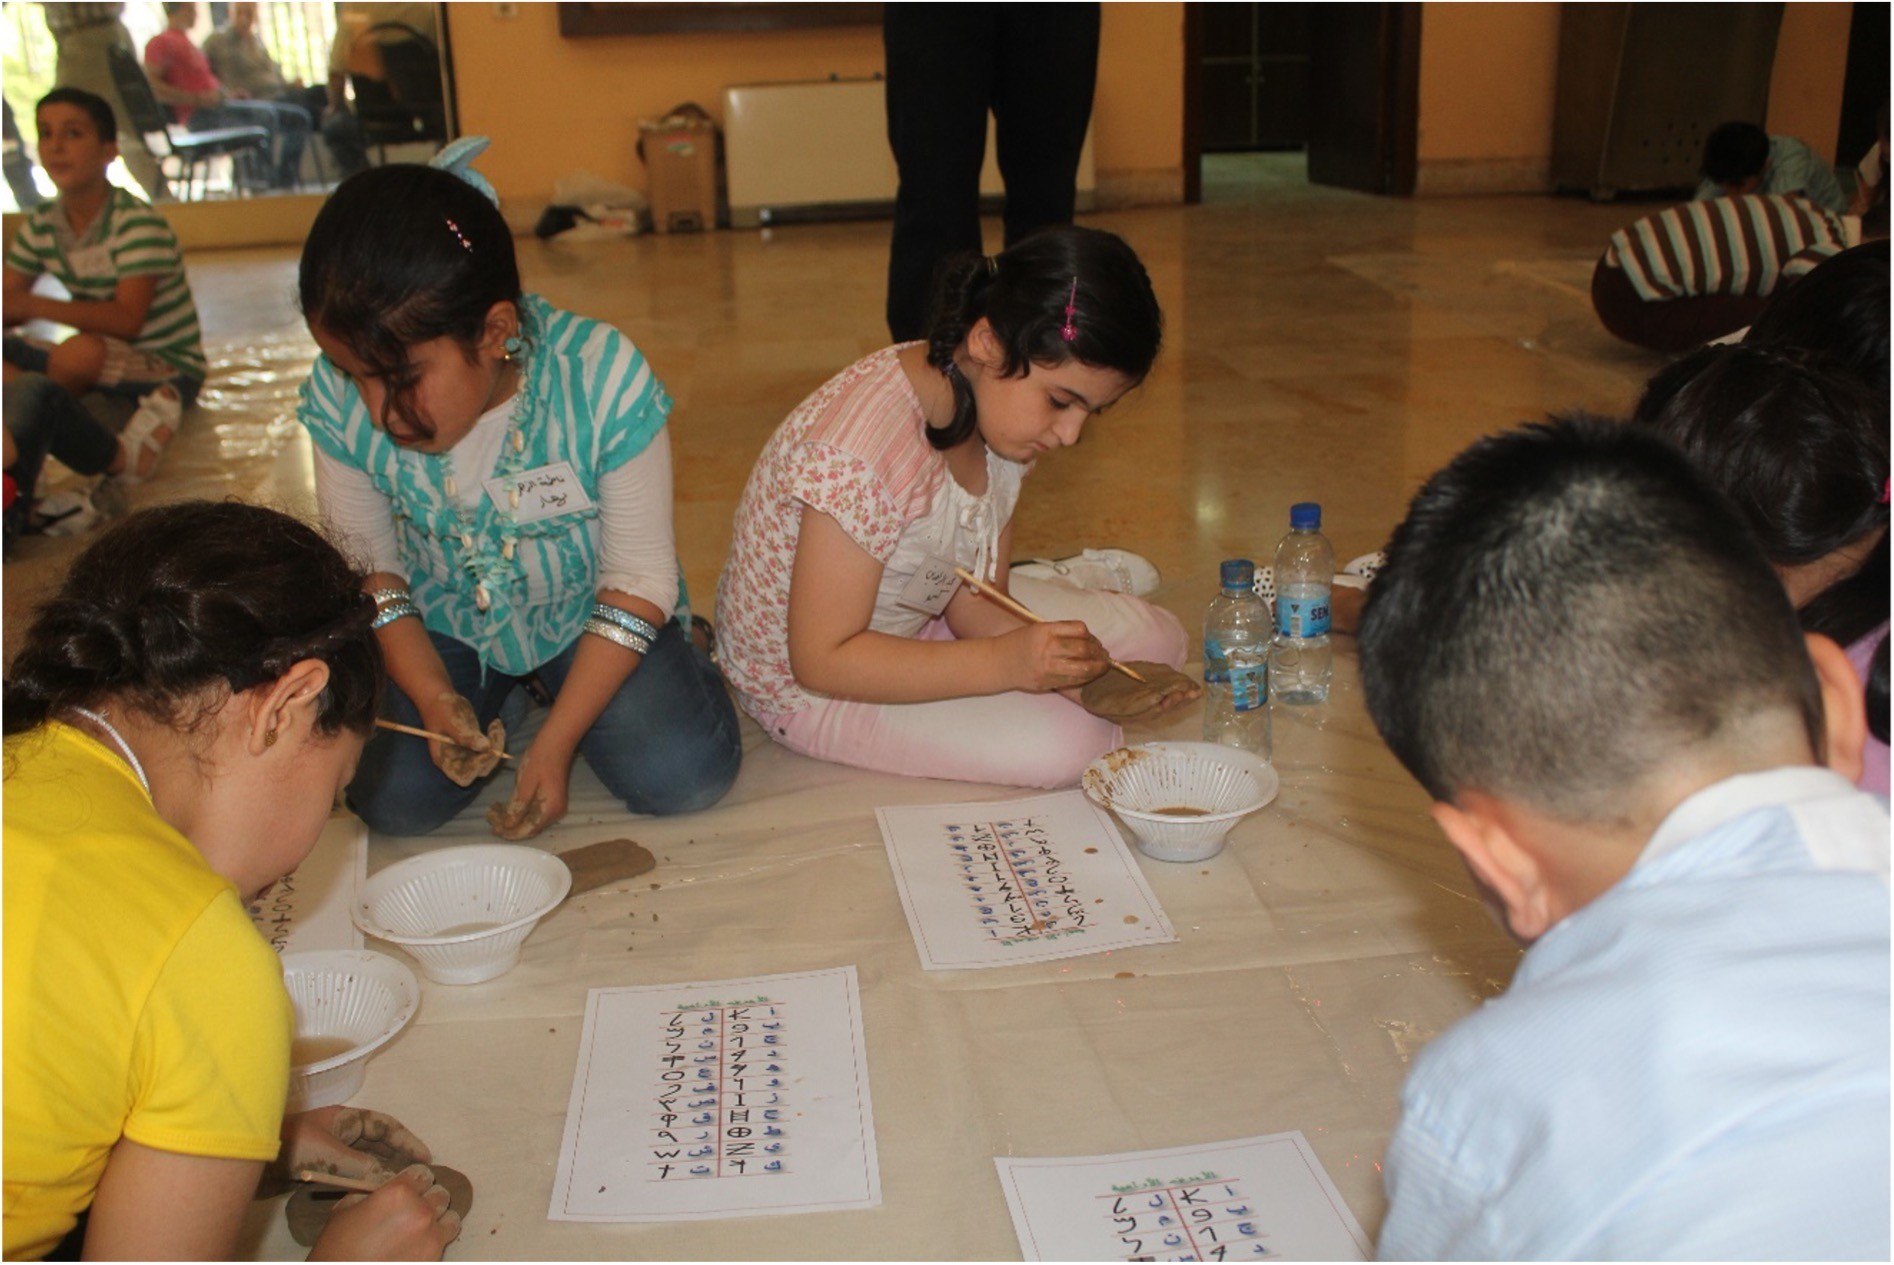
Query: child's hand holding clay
pixel 539 797
pixel 1116 697
pixel 474 754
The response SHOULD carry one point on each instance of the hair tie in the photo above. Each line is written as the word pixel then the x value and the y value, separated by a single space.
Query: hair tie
pixel 457 160
pixel 1070 331
pixel 1887 486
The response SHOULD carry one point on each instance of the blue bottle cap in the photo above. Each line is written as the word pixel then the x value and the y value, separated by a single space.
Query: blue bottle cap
pixel 1238 573
pixel 1305 516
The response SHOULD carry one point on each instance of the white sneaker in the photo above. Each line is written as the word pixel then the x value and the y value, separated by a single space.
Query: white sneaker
pixel 1103 570
pixel 1356 575
pixel 67 512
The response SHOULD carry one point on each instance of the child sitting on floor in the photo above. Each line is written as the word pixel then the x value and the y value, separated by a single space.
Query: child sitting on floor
pixel 1741 158
pixel 138 335
pixel 908 464
pixel 504 470
pixel 1579 652
pixel 1801 448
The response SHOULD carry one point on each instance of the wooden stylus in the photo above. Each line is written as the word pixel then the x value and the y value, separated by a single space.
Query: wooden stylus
pixel 424 733
pixel 1006 603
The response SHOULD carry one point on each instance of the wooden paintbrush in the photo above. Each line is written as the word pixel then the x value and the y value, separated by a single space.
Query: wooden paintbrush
pixel 423 733
pixel 1006 603
pixel 337 1180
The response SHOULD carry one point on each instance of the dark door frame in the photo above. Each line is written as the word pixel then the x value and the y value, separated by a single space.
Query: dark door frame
pixel 1396 142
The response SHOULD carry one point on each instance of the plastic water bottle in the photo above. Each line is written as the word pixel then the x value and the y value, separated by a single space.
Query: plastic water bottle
pixel 1301 661
pixel 1236 662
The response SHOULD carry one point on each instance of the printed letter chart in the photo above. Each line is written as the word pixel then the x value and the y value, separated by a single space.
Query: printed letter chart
pixel 309 908
pixel 1024 880
pixel 738 1098
pixel 1251 1199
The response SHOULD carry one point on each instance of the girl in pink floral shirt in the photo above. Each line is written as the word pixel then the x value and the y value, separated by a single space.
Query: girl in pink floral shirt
pixel 840 622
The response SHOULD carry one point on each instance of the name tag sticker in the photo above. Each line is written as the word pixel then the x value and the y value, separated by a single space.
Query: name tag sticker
pixel 91 262
pixel 931 587
pixel 543 492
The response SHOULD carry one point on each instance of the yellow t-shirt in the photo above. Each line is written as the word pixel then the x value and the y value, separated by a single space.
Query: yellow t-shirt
pixel 140 1001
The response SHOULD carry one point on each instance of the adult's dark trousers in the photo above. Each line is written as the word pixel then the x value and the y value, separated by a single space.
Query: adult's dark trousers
pixel 1672 325
pixel 1034 66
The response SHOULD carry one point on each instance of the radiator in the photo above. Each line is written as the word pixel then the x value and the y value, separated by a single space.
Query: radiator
pixel 819 150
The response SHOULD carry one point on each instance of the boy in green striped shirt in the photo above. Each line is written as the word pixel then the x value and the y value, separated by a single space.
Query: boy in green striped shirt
pixel 138 334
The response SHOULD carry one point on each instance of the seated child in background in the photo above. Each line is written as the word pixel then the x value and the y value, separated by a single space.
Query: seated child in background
pixel 1801 448
pixel 1578 651
pixel 44 420
pixel 138 335
pixel 1741 158
pixel 1580 654
pixel 1684 276
pixel 909 461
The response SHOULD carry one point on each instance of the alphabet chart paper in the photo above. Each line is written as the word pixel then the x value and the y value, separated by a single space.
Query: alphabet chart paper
pixel 735 1098
pixel 1023 880
pixel 309 908
pixel 1250 1199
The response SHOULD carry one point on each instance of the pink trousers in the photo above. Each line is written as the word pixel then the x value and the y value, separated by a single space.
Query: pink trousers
pixel 1014 739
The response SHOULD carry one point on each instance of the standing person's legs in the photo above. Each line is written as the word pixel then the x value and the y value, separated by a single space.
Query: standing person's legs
pixel 940 61
pixel 398 790
pixel 668 741
pixel 1042 104
pixel 81 64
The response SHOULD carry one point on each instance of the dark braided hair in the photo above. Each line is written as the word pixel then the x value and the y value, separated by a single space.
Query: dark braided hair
pixel 1023 293
pixel 402 255
pixel 174 600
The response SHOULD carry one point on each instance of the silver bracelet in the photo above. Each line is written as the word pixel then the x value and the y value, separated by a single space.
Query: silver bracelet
pixel 384 598
pixel 613 633
pixel 625 620
pixel 390 613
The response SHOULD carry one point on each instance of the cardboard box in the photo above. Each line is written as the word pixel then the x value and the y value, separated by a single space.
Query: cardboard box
pixel 680 156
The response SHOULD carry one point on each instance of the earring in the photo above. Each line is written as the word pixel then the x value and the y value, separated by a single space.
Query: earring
pixel 269 737
pixel 513 346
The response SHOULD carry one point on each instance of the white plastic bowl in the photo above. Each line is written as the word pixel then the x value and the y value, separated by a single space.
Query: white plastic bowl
pixel 463 912
pixel 350 995
pixel 1218 785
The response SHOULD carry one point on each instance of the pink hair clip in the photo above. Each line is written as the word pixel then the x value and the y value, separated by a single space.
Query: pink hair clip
pixel 1070 331
pixel 455 230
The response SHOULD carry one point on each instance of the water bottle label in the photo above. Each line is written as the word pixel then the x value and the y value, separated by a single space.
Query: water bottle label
pixel 1302 616
pixel 1216 667
pixel 1249 687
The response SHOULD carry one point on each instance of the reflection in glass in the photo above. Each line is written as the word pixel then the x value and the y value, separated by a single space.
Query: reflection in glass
pixel 331 87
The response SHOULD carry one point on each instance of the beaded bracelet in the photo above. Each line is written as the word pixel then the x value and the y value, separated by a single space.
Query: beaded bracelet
pixel 613 633
pixel 400 609
pixel 626 620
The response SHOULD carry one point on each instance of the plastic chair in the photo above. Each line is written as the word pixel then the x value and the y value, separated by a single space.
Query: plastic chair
pixel 186 149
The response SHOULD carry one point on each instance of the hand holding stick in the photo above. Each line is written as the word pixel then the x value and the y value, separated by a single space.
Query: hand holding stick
pixel 1008 604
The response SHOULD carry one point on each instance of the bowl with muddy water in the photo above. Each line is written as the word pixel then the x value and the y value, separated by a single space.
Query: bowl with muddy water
pixel 1180 799
pixel 349 1003
pixel 463 913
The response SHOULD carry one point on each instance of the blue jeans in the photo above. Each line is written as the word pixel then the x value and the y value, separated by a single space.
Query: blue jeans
pixel 666 743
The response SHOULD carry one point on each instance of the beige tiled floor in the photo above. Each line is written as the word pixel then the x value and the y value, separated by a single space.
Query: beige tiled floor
pixel 1322 345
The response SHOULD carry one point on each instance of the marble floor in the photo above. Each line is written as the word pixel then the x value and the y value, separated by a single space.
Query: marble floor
pixel 1322 345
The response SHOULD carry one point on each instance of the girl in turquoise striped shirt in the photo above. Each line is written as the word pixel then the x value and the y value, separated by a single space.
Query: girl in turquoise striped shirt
pixel 502 469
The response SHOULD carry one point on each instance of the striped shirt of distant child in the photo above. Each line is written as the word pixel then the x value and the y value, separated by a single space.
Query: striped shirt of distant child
pixel 1735 246
pixel 127 239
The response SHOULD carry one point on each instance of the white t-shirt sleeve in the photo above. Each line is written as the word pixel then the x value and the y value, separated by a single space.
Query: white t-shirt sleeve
pixel 637 549
pixel 356 515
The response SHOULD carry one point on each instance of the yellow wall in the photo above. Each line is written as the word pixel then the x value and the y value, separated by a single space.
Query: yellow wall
pixel 1489 78
pixel 1805 86
pixel 554 106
